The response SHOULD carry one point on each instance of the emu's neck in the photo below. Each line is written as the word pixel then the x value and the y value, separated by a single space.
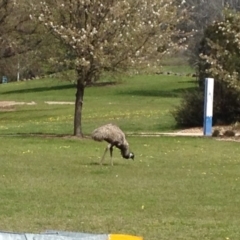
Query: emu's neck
pixel 124 151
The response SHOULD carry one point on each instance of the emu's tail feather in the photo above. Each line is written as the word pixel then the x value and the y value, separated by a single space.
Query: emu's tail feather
pixel 97 135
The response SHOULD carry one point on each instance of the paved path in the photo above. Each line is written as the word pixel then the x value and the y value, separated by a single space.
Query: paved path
pixel 158 134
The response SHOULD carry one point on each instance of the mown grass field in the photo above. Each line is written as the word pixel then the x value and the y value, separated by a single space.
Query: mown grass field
pixel 177 187
pixel 140 103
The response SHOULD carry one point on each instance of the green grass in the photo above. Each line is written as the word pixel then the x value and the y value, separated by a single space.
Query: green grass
pixel 141 103
pixel 185 70
pixel 188 187
pixel 177 187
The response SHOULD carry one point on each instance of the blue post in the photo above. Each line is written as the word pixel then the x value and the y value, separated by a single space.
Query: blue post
pixel 208 107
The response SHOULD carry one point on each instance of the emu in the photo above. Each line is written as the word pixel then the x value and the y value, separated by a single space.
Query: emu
pixel 115 137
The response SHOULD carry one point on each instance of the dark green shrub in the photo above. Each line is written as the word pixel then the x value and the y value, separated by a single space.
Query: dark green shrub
pixel 226 108
pixel 190 112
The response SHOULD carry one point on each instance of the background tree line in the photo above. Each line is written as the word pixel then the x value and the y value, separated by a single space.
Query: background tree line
pixel 26 46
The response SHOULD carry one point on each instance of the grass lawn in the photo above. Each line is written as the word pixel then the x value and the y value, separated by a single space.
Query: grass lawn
pixel 177 187
pixel 141 103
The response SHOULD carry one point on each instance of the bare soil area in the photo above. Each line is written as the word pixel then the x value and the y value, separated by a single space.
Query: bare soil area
pixel 4 104
pixel 9 105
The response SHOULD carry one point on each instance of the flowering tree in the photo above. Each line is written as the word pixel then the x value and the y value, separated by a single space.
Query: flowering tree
pixel 220 59
pixel 220 51
pixel 107 35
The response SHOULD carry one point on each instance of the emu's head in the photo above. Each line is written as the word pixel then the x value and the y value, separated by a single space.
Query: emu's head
pixel 125 152
pixel 131 155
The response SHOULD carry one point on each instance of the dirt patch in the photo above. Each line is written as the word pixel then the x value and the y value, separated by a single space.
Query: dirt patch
pixel 59 103
pixel 191 130
pixel 223 129
pixel 229 139
pixel 8 106
pixel 4 104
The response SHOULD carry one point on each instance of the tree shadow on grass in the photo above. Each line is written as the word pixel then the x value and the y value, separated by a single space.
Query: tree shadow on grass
pixel 40 89
pixel 173 93
pixel 57 88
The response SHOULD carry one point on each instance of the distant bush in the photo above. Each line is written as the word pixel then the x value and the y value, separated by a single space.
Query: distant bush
pixel 190 112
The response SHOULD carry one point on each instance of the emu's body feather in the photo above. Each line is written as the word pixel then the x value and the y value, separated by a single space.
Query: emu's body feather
pixel 109 133
pixel 115 137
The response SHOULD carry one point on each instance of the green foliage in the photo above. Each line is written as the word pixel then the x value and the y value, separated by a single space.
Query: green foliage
pixel 26 46
pixel 189 113
pixel 219 59
pixel 219 51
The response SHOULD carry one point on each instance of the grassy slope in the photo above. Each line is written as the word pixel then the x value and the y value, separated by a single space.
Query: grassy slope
pixel 137 104
pixel 177 188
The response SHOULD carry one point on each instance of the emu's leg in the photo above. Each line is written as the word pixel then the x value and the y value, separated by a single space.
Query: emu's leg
pixel 103 157
pixel 111 151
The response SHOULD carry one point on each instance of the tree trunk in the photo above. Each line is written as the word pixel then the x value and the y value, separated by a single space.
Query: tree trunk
pixel 78 109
